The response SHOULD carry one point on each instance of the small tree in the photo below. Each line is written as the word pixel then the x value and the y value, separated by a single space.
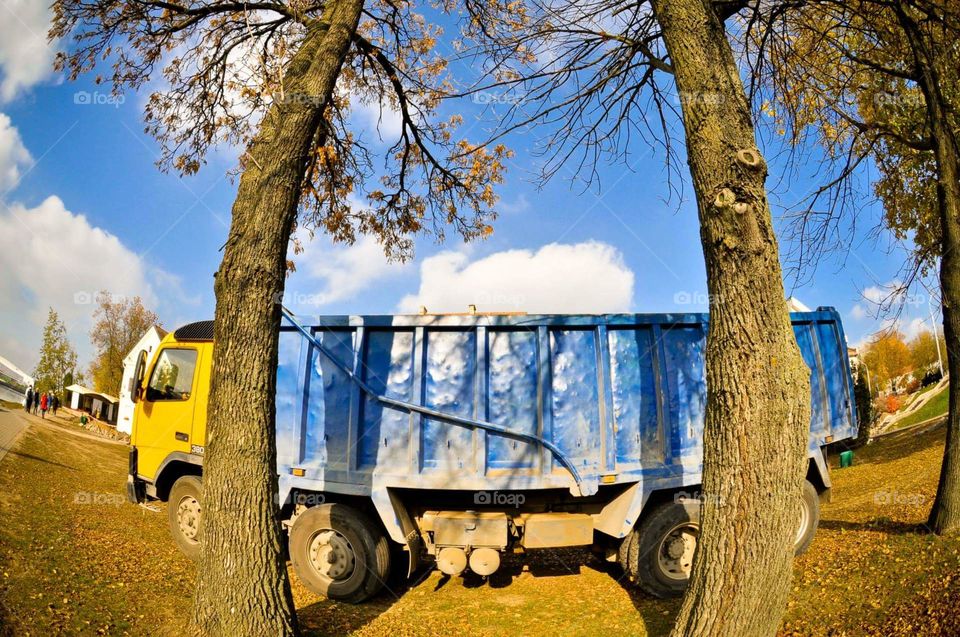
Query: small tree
pixel 924 351
pixel 120 323
pixel 888 357
pixel 58 360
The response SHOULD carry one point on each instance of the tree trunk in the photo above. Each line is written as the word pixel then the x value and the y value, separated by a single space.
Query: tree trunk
pixel 758 394
pixel 243 587
pixel 938 78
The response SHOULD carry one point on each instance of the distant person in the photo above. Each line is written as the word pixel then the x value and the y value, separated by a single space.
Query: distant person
pixel 44 403
pixel 36 402
pixel 28 404
pixel 56 404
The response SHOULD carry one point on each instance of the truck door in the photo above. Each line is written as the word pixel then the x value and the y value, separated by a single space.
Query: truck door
pixel 165 414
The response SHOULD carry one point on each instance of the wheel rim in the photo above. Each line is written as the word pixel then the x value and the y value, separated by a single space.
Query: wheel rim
pixel 804 521
pixel 188 517
pixel 332 556
pixel 675 553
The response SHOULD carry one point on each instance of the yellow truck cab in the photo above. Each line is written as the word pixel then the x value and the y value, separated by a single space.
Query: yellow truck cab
pixel 169 425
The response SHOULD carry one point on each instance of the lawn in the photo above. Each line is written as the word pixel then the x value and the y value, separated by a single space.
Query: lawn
pixel 78 559
pixel 936 406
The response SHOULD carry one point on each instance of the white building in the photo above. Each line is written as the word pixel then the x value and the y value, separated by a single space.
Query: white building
pixel 148 342
pixel 14 373
pixel 97 404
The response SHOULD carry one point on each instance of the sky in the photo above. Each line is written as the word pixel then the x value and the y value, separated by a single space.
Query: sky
pixel 83 208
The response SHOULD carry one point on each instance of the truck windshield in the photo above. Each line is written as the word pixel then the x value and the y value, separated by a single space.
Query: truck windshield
pixel 172 377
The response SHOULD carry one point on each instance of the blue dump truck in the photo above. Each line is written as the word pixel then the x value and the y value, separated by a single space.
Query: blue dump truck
pixel 460 437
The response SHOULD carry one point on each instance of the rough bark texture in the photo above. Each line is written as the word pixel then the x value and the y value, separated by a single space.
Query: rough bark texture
pixel 758 396
pixel 243 587
pixel 937 70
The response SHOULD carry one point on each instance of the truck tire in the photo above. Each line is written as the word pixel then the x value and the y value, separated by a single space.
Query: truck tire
pixel 338 552
pixel 662 552
pixel 183 514
pixel 809 518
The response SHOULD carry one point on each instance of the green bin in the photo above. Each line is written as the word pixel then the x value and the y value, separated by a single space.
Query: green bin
pixel 846 459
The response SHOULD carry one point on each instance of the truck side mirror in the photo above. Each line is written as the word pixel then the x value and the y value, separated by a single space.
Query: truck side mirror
pixel 136 383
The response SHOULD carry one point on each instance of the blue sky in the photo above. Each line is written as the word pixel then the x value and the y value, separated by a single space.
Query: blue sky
pixel 83 208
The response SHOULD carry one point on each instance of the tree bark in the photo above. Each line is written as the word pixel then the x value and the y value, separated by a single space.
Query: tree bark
pixel 243 587
pixel 937 78
pixel 758 395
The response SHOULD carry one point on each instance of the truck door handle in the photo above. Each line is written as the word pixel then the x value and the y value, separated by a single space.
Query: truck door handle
pixel 182 437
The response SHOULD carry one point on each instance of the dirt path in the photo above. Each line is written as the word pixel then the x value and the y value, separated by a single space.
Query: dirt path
pixel 12 425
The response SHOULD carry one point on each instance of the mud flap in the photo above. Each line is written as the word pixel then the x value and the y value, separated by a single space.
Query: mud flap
pixel 136 489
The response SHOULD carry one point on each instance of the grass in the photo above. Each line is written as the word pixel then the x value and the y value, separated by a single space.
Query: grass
pixel 936 406
pixel 77 559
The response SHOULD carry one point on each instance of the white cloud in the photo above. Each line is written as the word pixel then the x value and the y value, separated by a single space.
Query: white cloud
pixel 343 271
pixel 25 55
pixel 586 277
pixel 876 294
pixel 51 257
pixel 381 118
pixel 857 312
pixel 14 157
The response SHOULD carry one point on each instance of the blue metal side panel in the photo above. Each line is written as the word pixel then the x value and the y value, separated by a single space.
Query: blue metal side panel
pixel 382 436
pixel 632 376
pixel 575 407
pixel 512 396
pixel 806 339
pixel 836 375
pixel 289 403
pixel 612 392
pixel 326 440
pixel 686 385
pixel 449 386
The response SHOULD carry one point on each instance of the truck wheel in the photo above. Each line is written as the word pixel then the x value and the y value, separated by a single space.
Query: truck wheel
pixel 664 547
pixel 183 514
pixel 338 552
pixel 809 518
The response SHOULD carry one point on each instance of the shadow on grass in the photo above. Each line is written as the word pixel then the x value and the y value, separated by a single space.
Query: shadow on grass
pixel 876 525
pixel 29 456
